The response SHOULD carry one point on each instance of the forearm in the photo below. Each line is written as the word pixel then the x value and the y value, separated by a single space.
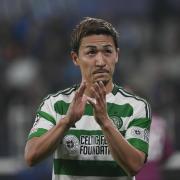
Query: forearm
pixel 125 154
pixel 38 148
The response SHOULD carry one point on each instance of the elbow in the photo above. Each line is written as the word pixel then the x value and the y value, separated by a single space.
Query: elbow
pixel 136 164
pixel 134 168
pixel 30 158
pixel 134 171
pixel 29 163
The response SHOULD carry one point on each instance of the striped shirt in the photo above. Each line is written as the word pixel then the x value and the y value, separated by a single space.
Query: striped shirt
pixel 83 153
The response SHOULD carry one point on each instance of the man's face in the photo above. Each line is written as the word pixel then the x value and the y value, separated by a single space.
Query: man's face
pixel 97 58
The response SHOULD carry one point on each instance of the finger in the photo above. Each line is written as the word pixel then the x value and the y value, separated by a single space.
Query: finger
pixel 84 98
pixel 81 89
pixel 99 93
pixel 103 89
pixel 95 92
pixel 92 101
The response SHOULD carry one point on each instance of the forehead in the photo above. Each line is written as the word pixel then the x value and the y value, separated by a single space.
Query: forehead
pixel 97 41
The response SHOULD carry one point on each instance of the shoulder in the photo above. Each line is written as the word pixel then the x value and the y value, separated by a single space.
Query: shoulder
pixel 130 95
pixel 65 92
pixel 61 95
pixel 134 100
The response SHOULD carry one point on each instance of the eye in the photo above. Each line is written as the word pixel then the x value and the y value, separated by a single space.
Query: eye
pixel 91 52
pixel 108 51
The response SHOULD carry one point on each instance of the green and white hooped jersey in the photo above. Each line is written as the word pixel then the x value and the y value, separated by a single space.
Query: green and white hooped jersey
pixel 83 153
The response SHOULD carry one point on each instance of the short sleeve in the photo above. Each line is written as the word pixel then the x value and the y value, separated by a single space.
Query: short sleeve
pixel 138 129
pixel 45 119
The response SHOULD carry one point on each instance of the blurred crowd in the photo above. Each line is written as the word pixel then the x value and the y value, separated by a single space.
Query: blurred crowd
pixel 35 60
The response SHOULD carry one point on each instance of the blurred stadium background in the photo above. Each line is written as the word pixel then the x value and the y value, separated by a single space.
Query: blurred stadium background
pixel 35 61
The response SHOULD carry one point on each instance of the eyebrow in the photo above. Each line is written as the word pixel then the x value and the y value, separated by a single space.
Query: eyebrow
pixel 93 46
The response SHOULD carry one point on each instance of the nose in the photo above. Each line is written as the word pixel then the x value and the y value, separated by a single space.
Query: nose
pixel 100 61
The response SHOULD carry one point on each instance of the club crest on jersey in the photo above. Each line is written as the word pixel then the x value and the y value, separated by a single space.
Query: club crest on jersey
pixel 71 145
pixel 117 121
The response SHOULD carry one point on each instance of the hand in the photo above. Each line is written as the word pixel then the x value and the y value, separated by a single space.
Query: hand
pixel 99 105
pixel 76 108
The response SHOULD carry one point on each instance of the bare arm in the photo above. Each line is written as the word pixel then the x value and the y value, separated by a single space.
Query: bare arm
pixel 125 154
pixel 38 148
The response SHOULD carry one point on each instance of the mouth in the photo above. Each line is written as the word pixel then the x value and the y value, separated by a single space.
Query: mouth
pixel 101 75
pixel 101 71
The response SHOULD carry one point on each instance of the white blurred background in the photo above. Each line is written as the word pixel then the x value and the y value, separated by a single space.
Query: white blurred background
pixel 35 61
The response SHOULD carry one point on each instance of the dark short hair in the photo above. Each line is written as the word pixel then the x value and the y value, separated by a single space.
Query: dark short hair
pixel 89 26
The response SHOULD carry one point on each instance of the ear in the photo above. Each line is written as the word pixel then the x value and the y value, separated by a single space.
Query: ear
pixel 75 58
pixel 117 55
